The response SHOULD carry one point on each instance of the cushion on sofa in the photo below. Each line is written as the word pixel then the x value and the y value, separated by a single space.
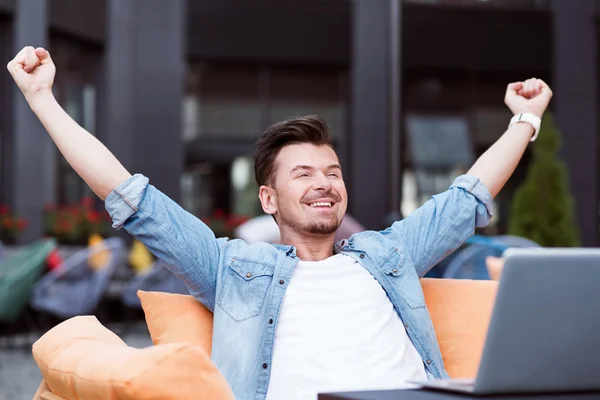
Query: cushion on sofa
pixel 460 311
pixel 79 329
pixel 80 358
pixel 494 265
pixel 173 318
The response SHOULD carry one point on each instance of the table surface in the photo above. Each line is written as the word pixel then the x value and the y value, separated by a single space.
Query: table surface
pixel 421 394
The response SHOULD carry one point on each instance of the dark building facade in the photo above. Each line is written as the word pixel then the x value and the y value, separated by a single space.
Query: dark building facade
pixel 181 90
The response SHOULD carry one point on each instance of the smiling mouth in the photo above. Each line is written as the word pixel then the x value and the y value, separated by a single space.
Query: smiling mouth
pixel 321 204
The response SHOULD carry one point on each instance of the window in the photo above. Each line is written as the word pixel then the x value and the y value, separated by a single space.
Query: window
pixel 227 107
pixel 79 101
pixel 76 90
pixel 440 149
pixel 226 186
pixel 244 188
pixel 223 102
pixel 241 102
pixel 294 93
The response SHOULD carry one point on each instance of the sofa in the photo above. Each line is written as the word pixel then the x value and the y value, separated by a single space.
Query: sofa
pixel 81 359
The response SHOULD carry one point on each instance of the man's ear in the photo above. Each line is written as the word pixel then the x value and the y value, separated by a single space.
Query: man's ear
pixel 268 199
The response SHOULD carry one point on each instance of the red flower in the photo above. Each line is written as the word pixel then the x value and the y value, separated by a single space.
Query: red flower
pixel 64 226
pixel 21 224
pixel 219 213
pixel 87 202
pixel 54 259
pixel 3 209
pixel 93 216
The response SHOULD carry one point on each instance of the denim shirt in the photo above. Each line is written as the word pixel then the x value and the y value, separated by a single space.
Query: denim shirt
pixel 244 284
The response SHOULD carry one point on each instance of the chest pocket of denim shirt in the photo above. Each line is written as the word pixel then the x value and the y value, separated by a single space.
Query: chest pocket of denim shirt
pixel 245 288
pixel 403 276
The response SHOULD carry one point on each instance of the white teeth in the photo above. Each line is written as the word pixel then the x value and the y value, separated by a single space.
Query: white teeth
pixel 321 204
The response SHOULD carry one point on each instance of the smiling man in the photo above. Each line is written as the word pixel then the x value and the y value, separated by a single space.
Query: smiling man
pixel 309 315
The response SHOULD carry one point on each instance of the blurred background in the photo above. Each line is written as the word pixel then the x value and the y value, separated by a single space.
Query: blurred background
pixel 181 90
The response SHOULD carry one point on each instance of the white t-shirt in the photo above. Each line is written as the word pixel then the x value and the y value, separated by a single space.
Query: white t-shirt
pixel 338 331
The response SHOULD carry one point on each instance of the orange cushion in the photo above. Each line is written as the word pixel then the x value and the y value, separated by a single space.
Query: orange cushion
pixel 80 358
pixel 495 265
pixel 42 389
pixel 173 318
pixel 460 311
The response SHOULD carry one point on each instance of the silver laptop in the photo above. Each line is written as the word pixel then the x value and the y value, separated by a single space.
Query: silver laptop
pixel 544 335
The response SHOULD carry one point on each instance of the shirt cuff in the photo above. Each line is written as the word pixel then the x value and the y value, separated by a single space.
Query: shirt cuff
pixel 473 185
pixel 124 200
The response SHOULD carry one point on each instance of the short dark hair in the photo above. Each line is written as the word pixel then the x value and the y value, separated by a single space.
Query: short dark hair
pixel 308 129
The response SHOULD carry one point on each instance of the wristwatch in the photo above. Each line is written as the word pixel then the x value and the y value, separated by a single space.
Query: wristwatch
pixel 529 118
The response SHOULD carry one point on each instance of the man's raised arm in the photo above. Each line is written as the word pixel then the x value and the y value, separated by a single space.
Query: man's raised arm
pixel 497 164
pixel 443 223
pixel 33 72
pixel 181 240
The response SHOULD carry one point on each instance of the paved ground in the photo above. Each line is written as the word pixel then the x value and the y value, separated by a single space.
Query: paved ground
pixel 19 374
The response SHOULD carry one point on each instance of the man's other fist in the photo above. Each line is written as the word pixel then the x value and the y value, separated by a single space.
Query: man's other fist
pixel 531 96
pixel 33 71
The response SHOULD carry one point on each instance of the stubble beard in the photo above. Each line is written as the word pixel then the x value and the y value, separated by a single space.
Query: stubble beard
pixel 321 227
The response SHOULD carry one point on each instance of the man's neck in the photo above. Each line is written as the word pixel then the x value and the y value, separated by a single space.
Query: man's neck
pixel 310 247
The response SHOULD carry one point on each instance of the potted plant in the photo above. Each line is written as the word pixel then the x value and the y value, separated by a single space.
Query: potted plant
pixel 11 226
pixel 74 224
pixel 542 208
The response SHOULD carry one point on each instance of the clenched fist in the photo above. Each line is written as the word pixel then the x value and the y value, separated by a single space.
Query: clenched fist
pixel 33 71
pixel 531 96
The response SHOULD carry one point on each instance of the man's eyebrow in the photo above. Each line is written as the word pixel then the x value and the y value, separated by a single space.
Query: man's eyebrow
pixel 297 167
pixel 308 167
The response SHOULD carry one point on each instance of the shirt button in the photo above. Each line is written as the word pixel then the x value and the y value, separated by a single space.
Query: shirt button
pixel 270 321
pixel 362 256
pixel 428 362
pixel 281 282
pixel 265 366
pixel 249 275
pixel 394 270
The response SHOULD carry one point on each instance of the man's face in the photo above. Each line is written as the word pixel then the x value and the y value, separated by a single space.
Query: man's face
pixel 309 194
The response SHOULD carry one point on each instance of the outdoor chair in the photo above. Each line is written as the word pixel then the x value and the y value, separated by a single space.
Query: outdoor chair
pixel 18 275
pixel 76 287
pixel 470 262
pixel 157 279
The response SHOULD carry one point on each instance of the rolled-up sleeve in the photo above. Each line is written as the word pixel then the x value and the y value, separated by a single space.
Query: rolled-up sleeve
pixel 182 241
pixel 124 200
pixel 485 208
pixel 443 223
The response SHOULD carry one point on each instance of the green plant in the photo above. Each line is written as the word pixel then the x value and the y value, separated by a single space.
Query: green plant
pixel 75 223
pixel 11 226
pixel 542 207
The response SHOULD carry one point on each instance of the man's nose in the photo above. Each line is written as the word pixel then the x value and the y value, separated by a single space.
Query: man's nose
pixel 322 183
